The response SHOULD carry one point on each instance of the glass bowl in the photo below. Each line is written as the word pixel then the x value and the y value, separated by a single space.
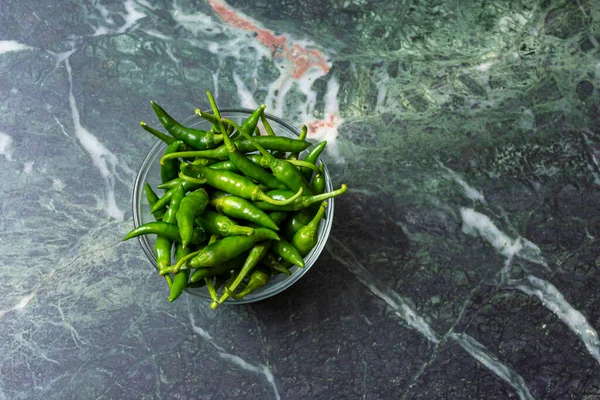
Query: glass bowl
pixel 150 172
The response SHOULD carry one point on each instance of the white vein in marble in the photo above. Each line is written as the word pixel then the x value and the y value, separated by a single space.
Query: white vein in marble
pixel 554 301
pixel 7 46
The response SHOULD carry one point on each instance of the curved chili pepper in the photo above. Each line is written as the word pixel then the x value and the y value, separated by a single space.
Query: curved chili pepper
pixel 270 261
pixel 152 199
pixel 284 171
pixel 307 237
pixel 191 206
pixel 240 186
pixel 180 279
pixel 229 247
pixel 170 169
pixel 245 146
pixel 169 231
pixel 194 137
pixel 312 157
pixel 233 264
pixel 259 278
pixel 300 218
pixel 243 164
pixel 170 184
pixel 218 224
pixel 236 207
pixel 166 198
pixel 301 202
pixel 257 252
pixel 303 133
pixel 229 166
pixel 288 252
pixel 165 138
pixel 163 245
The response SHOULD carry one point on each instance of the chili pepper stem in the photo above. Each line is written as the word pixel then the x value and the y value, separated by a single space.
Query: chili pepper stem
pixel 156 133
pixel 191 179
pixel 301 163
pixel 260 195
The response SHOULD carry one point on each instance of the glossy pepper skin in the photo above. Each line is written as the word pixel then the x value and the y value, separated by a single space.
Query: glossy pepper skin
pixel 236 207
pixel 170 170
pixel 307 237
pixel 163 245
pixel 231 265
pixel 245 146
pixel 312 157
pixel 227 165
pixel 169 231
pixel 194 137
pixel 288 252
pixel 218 224
pixel 166 198
pixel 243 164
pixel 259 278
pixel 152 199
pixel 191 206
pixel 283 170
pixel 257 252
pixel 229 247
pixel 156 133
pixel 300 202
pixel 300 218
pixel 180 279
pixel 238 185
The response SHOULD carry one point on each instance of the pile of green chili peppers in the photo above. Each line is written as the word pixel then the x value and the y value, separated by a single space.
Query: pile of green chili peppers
pixel 238 206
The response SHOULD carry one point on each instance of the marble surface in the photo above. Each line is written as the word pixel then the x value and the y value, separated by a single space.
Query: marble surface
pixel 464 261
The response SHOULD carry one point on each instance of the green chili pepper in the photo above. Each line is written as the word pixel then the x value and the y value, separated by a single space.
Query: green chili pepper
pixel 163 245
pixel 239 185
pixel 288 252
pixel 307 237
pixel 270 261
pixel 169 231
pixel 152 199
pixel 312 157
pixel 170 185
pixel 233 264
pixel 180 279
pixel 170 169
pixel 300 218
pixel 245 146
pixel 165 138
pixel 283 170
pixel 194 137
pixel 166 198
pixel 256 254
pixel 259 278
pixel 278 216
pixel 191 206
pixel 301 202
pixel 229 247
pixel 303 133
pixel 229 166
pixel 243 164
pixel 218 224
pixel 203 161
pixel 236 207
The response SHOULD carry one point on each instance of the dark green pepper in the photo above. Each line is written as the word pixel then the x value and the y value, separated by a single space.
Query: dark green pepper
pixel 180 279
pixel 307 237
pixel 191 206
pixel 170 169
pixel 288 252
pixel 169 231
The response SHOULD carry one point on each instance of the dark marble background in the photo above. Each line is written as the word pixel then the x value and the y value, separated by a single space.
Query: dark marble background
pixel 464 262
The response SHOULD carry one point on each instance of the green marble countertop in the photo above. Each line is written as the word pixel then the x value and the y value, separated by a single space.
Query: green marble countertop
pixel 464 262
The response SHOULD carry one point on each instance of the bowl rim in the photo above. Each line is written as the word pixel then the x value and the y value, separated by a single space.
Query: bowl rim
pixel 297 273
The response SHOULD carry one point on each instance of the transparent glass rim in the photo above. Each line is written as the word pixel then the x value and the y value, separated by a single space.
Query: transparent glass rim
pixel 272 290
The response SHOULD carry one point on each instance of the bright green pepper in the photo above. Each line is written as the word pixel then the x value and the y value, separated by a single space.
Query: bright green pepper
pixel 169 231
pixel 152 199
pixel 233 264
pixel 288 252
pixel 307 237
pixel 180 279
pixel 170 169
pixel 158 134
pixel 300 203
pixel 312 157
pixel 218 224
pixel 259 278
pixel 194 137
pixel 258 251
pixel 236 207
pixel 191 206
pixel 166 198
pixel 229 247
